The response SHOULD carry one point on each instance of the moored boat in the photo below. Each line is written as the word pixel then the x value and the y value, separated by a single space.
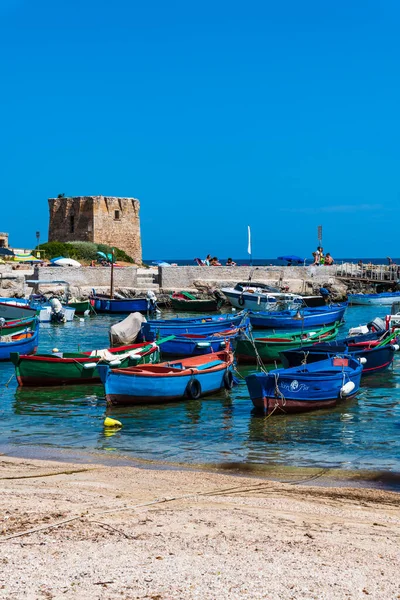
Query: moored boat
pixel 177 380
pixel 25 342
pixel 376 357
pixel 383 299
pixel 63 368
pixel 306 387
pixel 204 325
pixel 12 309
pixel 262 297
pixel 17 325
pixel 293 319
pixel 249 350
pixel 185 302
pixel 195 345
pixel 105 304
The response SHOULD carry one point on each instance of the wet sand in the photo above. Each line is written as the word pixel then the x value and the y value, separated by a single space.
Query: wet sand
pixel 103 532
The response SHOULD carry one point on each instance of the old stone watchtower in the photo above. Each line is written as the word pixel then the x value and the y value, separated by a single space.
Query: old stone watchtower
pixel 99 219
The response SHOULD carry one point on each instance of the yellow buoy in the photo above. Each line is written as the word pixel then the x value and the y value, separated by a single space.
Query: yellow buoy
pixel 108 422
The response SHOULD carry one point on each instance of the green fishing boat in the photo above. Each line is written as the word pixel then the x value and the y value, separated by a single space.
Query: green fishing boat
pixel 80 306
pixel 268 348
pixel 63 368
pixel 186 302
pixel 11 327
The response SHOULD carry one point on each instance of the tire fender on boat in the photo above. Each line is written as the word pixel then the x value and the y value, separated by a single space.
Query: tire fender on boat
pixel 228 380
pixel 193 389
pixel 241 300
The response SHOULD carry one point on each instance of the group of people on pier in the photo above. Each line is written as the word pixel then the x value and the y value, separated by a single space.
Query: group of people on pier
pixel 322 259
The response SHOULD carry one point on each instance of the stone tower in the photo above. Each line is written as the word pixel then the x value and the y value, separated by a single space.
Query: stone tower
pixel 99 219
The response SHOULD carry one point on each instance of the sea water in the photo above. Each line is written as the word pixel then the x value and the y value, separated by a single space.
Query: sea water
pixel 359 434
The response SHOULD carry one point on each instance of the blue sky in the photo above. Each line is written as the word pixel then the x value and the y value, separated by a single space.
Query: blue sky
pixel 216 115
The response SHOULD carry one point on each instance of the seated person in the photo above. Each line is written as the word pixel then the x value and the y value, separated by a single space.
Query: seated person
pixel 230 263
pixel 214 262
pixel 328 259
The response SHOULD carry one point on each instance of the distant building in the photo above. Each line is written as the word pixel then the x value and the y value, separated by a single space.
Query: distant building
pixel 3 240
pixel 99 219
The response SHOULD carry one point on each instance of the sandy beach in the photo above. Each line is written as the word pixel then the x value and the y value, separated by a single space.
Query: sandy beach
pixel 101 532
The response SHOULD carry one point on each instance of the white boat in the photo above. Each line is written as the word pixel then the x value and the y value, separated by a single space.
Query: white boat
pixel 384 299
pixel 263 297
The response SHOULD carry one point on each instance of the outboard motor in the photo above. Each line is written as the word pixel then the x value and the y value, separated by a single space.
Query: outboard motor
pixel 57 312
pixel 378 325
pixel 151 302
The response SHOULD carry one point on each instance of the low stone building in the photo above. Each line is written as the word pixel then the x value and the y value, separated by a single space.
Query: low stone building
pixel 100 219
pixel 3 240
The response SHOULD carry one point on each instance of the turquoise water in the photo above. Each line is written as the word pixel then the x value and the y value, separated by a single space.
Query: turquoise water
pixel 363 433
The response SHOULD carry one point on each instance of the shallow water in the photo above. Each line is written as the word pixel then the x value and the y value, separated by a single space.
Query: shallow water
pixel 363 433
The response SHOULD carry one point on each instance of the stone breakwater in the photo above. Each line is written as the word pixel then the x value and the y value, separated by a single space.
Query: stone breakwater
pixel 300 280
pixel 162 280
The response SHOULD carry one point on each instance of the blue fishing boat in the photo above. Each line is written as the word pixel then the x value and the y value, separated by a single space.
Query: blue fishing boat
pixel 105 304
pixel 295 319
pixel 24 342
pixel 177 380
pixel 204 325
pixel 195 345
pixel 375 358
pixel 306 387
pixel 383 299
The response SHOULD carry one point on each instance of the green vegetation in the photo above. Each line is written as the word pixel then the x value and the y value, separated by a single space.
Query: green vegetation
pixel 80 251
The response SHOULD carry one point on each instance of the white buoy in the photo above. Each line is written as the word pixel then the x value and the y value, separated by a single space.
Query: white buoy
pixel 81 320
pixel 55 350
pixel 347 388
pixel 233 309
pixel 396 347
pixel 363 360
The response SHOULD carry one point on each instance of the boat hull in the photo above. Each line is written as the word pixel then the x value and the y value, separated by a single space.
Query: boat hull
pixel 203 326
pixel 50 370
pixel 304 388
pixel 374 299
pixel 12 327
pixel 16 310
pixel 309 317
pixel 120 306
pixel 201 306
pixel 268 349
pixel 378 359
pixel 26 343
pixel 165 382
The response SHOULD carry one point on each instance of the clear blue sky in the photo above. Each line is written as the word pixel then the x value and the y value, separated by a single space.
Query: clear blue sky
pixel 215 114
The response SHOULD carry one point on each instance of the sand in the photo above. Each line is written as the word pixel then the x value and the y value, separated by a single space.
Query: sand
pixel 101 532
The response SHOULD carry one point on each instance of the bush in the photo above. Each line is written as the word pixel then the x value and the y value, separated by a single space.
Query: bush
pixel 80 251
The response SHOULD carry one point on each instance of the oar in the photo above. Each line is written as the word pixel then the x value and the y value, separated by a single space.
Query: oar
pixel 387 340
pixel 158 343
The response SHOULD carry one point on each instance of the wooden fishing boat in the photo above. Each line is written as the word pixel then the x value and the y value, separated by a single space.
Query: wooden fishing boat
pixel 383 299
pixel 187 345
pixel 375 356
pixel 177 380
pixel 268 348
pixel 186 302
pixel 64 368
pixel 204 325
pixel 105 304
pixel 25 342
pixel 80 306
pixel 12 309
pixel 17 325
pixel 306 387
pixel 305 317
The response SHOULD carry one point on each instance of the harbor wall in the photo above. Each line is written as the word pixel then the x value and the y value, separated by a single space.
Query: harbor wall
pixel 90 277
pixel 298 279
